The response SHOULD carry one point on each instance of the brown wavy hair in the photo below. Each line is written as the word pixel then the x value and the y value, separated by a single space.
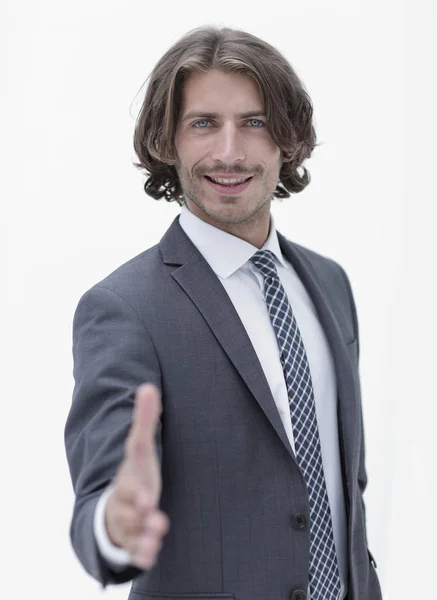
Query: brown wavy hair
pixel 286 103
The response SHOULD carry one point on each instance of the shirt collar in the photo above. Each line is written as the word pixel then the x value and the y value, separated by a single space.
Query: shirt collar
pixel 224 252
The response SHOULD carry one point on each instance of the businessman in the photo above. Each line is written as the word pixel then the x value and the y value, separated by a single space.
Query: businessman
pixel 215 439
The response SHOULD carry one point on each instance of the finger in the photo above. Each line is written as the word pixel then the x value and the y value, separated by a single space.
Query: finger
pixel 131 490
pixel 142 539
pixel 131 493
pixel 144 502
pixel 144 548
pixel 145 417
pixel 127 487
pixel 128 521
pixel 144 551
pixel 157 523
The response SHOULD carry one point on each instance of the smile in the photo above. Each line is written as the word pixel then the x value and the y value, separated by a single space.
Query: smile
pixel 234 188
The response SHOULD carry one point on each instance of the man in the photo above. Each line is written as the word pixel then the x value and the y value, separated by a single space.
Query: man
pixel 215 438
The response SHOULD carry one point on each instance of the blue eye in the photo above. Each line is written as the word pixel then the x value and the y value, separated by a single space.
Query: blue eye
pixel 206 121
pixel 258 122
pixel 202 121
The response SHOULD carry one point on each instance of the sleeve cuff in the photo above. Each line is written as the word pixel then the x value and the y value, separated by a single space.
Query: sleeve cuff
pixel 118 558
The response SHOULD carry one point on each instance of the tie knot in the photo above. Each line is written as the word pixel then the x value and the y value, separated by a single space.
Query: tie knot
pixel 264 260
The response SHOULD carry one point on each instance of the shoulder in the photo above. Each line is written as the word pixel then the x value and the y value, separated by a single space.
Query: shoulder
pixel 323 266
pixel 315 258
pixel 133 270
pixel 327 272
pixel 333 278
pixel 131 284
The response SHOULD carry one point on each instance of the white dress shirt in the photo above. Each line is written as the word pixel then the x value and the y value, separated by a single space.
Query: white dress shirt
pixel 229 257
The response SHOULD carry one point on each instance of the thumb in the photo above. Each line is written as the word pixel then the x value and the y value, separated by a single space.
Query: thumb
pixel 141 438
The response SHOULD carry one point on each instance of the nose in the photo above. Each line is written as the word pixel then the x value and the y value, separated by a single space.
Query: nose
pixel 228 145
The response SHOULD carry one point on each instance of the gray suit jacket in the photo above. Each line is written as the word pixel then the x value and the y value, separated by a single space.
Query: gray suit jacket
pixel 231 485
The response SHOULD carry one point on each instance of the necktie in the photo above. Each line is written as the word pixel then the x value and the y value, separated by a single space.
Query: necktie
pixel 323 568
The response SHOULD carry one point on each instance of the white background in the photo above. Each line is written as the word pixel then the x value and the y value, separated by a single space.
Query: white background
pixel 73 209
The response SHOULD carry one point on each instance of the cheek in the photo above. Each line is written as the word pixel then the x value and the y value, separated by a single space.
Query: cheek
pixel 188 155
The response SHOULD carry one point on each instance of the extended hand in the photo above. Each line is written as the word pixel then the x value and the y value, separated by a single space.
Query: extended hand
pixel 132 519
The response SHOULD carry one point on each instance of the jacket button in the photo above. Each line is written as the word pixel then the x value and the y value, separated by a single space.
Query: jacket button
pixel 299 521
pixel 298 595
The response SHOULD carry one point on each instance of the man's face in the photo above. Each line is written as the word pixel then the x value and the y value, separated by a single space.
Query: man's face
pixel 226 144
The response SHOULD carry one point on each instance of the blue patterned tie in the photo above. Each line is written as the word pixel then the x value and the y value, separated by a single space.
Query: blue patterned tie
pixel 323 569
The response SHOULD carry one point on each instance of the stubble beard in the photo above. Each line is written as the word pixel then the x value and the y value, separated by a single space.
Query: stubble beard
pixel 227 211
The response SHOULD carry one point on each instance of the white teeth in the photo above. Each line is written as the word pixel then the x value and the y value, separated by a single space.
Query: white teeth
pixel 229 180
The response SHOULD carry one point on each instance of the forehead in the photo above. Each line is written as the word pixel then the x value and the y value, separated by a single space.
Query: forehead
pixel 215 90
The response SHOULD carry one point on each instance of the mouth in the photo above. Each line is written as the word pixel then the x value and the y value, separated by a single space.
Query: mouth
pixel 233 188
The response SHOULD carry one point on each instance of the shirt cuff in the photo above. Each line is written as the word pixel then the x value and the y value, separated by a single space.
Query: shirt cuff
pixel 117 558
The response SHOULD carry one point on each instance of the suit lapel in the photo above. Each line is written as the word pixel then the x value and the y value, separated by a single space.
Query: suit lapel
pixel 200 283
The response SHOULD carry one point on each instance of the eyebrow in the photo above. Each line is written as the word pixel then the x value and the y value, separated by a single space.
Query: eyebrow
pixel 212 115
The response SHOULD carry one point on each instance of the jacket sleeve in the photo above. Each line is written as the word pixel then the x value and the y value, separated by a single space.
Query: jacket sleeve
pixel 112 355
